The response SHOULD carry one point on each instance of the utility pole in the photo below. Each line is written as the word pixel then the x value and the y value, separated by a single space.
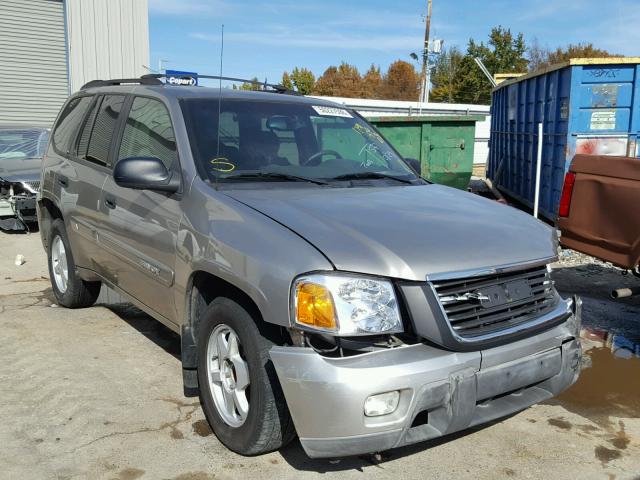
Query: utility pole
pixel 424 91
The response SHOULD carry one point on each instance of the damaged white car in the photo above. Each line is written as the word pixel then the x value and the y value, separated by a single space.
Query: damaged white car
pixel 21 150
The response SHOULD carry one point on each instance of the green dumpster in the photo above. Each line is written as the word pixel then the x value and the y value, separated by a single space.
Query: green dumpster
pixel 442 143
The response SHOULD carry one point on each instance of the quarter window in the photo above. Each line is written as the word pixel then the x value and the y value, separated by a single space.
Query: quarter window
pixel 148 132
pixel 85 133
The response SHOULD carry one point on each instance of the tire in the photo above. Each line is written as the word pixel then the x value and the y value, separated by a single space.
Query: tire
pixel 267 425
pixel 69 289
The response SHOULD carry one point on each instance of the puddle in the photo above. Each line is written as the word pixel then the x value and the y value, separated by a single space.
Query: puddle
pixel 560 423
pixel 620 346
pixel 608 384
pixel 201 428
pixel 605 455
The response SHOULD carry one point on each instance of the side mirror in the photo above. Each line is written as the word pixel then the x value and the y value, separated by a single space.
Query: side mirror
pixel 415 165
pixel 145 173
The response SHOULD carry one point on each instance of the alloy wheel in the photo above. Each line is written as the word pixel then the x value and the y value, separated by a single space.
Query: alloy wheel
pixel 228 375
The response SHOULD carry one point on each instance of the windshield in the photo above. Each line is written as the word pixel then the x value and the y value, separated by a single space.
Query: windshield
pixel 23 142
pixel 259 140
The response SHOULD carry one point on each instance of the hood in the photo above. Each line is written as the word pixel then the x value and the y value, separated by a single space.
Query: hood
pixel 20 169
pixel 410 232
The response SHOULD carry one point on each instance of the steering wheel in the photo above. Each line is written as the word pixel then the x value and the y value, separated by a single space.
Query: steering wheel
pixel 321 154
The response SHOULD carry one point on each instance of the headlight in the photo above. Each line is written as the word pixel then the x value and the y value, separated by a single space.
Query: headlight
pixel 345 305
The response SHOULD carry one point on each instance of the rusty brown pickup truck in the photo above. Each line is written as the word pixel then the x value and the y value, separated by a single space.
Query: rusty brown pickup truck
pixel 599 209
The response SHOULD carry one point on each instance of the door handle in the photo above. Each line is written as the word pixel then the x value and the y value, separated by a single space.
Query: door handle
pixel 110 201
pixel 63 181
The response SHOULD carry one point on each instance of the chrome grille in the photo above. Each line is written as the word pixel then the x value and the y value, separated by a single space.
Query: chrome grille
pixel 483 305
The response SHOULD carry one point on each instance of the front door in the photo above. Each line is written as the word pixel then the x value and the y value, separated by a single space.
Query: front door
pixel 141 227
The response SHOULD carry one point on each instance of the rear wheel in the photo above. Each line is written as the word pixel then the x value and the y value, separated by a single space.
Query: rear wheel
pixel 239 390
pixel 69 289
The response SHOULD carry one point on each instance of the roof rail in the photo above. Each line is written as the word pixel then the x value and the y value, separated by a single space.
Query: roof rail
pixel 154 79
pixel 274 87
pixel 144 80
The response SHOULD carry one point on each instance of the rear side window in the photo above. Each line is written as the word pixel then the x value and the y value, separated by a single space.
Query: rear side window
pixel 68 124
pixel 85 133
pixel 148 132
pixel 99 130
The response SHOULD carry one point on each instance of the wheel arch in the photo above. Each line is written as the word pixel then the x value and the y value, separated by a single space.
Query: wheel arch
pixel 203 288
pixel 47 213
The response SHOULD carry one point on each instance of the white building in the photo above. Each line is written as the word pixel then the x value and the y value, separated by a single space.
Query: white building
pixel 50 48
pixel 378 108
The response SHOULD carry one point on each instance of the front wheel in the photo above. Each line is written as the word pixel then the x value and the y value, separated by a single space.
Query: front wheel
pixel 69 289
pixel 239 390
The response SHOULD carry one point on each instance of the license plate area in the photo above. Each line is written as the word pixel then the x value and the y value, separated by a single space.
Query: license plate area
pixel 518 374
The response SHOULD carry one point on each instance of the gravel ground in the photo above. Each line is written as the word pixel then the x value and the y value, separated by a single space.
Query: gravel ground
pixel 96 393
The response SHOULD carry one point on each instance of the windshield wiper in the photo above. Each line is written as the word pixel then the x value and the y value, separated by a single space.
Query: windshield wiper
pixel 273 175
pixel 371 175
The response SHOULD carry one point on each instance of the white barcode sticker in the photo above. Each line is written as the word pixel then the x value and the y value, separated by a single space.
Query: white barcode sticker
pixel 603 120
pixel 332 111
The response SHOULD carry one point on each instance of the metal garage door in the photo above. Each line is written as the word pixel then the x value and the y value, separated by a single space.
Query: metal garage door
pixel 33 61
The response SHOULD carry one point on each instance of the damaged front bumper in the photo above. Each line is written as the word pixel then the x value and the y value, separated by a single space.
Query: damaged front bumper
pixel 17 205
pixel 440 391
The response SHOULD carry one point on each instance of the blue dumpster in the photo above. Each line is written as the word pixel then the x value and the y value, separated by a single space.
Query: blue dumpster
pixel 589 106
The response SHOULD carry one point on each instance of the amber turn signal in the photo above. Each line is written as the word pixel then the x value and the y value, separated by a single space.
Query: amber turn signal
pixel 314 306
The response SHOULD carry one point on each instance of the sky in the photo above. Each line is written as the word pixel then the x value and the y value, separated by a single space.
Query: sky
pixel 265 38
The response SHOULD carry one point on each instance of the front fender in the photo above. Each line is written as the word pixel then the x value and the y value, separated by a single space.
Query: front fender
pixel 243 247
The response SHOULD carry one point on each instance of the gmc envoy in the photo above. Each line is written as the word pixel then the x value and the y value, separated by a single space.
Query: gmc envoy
pixel 320 287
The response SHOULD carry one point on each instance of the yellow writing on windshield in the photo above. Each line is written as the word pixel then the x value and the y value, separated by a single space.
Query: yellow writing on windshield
pixel 368 133
pixel 222 164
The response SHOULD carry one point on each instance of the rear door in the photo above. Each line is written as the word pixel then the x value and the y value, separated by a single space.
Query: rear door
pixel 90 169
pixel 142 225
pixel 79 168
pixel 58 163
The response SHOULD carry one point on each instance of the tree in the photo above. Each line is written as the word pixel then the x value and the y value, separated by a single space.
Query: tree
pixel 286 81
pixel 507 53
pixel 304 80
pixel 342 81
pixel 503 53
pixel 445 75
pixel 401 82
pixel 327 83
pixel 372 83
pixel 471 86
pixel 255 85
pixel 537 55
pixel 540 57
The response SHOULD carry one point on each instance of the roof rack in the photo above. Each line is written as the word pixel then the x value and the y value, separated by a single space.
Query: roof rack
pixel 154 79
pixel 144 80
pixel 274 87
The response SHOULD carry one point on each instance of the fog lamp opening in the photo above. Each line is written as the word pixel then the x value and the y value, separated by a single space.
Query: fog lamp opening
pixel 381 404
